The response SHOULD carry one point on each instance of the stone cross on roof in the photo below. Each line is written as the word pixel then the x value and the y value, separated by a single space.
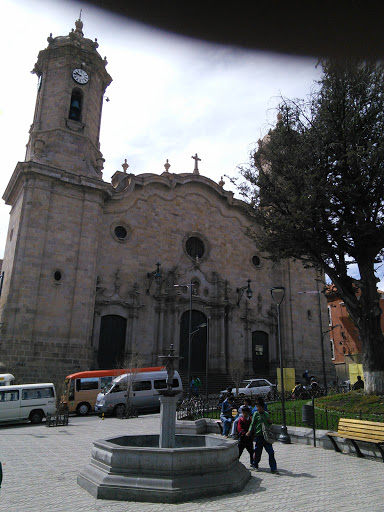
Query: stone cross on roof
pixel 196 159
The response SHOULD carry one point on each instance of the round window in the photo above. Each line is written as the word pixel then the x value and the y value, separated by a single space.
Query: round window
pixel 121 232
pixel 57 275
pixel 195 247
pixel 256 261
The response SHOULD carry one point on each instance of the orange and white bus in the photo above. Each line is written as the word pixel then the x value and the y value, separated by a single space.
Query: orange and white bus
pixel 82 388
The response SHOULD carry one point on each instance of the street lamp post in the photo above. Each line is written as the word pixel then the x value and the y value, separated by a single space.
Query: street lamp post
pixel 318 292
pixel 207 360
pixel 189 286
pixel 277 294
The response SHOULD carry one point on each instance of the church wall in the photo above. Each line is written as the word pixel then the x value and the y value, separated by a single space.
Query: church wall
pixel 159 219
pixel 52 324
pixel 10 250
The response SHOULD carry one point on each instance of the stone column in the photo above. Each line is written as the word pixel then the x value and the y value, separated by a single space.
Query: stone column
pixel 167 421
pixel 155 347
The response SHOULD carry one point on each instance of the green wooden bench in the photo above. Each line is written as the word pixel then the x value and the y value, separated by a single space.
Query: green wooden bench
pixel 359 430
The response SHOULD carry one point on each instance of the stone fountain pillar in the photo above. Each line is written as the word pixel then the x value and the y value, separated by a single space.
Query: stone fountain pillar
pixel 168 402
pixel 167 421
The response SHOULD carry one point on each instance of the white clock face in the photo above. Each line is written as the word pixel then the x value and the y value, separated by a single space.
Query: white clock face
pixel 80 76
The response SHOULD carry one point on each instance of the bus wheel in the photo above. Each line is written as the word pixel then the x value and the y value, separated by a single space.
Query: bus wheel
pixel 36 416
pixel 83 409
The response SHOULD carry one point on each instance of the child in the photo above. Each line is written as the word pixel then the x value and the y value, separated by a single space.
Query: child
pixel 247 402
pixel 255 430
pixel 243 426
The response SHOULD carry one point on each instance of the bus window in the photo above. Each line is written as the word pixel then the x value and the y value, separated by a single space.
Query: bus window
pixel 9 396
pixel 105 381
pixel 37 393
pixel 87 384
pixel 142 385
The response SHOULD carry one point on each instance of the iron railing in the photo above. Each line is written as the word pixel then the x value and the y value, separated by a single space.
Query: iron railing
pixel 325 419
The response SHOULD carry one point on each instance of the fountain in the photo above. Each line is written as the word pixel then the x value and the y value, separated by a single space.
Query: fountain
pixel 165 468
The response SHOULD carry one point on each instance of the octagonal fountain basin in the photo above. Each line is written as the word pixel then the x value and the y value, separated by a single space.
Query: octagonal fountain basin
pixel 134 468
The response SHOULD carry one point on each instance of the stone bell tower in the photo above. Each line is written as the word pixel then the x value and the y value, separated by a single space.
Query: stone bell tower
pixel 71 83
pixel 57 196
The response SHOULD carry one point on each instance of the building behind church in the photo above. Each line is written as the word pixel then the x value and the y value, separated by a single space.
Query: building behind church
pixel 92 270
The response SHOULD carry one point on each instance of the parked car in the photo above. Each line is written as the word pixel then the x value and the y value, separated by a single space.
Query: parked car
pixel 255 387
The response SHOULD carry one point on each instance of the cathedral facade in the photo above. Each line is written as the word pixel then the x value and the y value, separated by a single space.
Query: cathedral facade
pixel 97 272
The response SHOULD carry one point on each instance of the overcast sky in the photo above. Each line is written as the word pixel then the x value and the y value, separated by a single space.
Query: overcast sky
pixel 170 97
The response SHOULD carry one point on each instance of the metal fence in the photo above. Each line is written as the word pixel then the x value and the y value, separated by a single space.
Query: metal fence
pixel 325 419
pixel 196 408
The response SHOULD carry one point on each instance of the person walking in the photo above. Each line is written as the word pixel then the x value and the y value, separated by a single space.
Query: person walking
pixel 197 386
pixel 192 386
pixel 243 425
pixel 256 431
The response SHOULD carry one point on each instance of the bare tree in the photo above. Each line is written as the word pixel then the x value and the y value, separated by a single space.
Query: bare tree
pixel 132 365
pixel 236 371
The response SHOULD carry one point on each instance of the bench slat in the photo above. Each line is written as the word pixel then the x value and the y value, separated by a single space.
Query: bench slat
pixel 353 436
pixel 366 423
pixel 362 431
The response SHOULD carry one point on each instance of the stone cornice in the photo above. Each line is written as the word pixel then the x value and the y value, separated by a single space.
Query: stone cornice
pixel 31 169
pixel 125 184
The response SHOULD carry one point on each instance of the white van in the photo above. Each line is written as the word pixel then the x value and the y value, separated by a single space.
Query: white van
pixel 27 402
pixel 144 391
pixel 7 379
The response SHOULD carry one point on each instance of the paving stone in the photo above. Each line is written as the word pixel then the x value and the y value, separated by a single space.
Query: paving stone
pixel 40 469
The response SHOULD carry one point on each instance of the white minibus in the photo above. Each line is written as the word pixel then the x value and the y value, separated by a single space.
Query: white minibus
pixel 144 391
pixel 7 379
pixel 27 402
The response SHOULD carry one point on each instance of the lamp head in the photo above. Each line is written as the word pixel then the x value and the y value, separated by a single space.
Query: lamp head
pixel 277 294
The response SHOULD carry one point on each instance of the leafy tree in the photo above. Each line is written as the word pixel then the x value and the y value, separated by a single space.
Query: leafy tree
pixel 315 186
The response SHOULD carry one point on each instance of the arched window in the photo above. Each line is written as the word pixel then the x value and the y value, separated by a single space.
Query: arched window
pixel 76 105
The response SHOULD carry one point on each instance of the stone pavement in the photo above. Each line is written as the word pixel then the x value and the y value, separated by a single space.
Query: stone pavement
pixel 40 467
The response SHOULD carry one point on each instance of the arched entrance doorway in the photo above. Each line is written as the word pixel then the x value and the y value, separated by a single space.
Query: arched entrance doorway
pixel 111 341
pixel 198 341
pixel 260 355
